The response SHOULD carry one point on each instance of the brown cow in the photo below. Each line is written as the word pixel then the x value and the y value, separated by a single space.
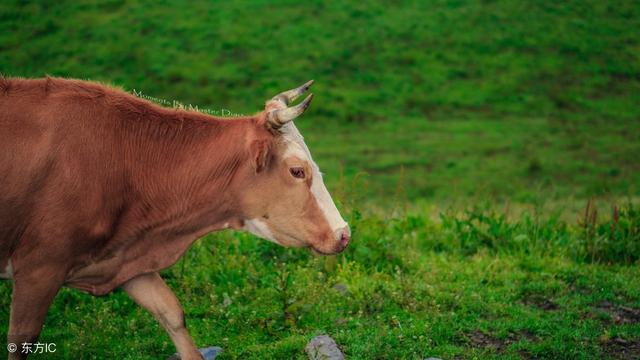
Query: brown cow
pixel 100 189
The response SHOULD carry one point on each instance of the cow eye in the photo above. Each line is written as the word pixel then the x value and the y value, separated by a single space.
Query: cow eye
pixel 297 172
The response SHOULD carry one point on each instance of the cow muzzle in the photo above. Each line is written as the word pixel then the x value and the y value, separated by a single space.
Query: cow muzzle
pixel 335 244
pixel 343 236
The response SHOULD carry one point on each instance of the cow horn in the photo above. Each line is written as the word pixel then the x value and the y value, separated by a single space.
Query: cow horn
pixel 288 96
pixel 277 118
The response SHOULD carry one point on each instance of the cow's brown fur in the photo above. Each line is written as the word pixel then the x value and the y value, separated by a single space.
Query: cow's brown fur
pixel 112 181
pixel 99 186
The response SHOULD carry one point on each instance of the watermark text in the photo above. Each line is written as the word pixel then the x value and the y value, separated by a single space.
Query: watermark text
pixel 178 105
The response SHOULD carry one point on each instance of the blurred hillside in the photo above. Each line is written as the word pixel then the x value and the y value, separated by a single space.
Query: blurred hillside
pixel 436 100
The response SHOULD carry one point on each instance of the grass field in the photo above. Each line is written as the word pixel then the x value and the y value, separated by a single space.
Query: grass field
pixel 472 286
pixel 486 153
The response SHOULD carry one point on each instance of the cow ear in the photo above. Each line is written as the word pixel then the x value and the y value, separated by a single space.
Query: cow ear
pixel 260 154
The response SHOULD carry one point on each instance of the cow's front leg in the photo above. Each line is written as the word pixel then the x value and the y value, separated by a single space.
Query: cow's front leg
pixel 33 292
pixel 151 292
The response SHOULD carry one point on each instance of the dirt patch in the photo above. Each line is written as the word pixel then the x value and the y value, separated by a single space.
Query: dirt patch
pixel 478 338
pixel 541 303
pixel 619 348
pixel 620 314
pixel 528 335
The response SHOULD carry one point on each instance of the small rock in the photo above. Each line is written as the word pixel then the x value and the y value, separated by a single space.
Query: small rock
pixel 342 289
pixel 209 353
pixel 323 347
pixel 226 300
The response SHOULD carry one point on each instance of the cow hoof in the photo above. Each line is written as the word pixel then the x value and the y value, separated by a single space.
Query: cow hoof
pixel 208 353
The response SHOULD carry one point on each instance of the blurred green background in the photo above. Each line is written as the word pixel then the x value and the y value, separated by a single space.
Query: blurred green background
pixel 461 140
pixel 437 100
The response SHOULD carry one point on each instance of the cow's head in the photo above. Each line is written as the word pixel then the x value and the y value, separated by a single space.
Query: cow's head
pixel 286 201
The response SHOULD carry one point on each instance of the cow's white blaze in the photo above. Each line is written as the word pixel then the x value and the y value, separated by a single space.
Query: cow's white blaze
pixel 8 271
pixel 259 228
pixel 297 147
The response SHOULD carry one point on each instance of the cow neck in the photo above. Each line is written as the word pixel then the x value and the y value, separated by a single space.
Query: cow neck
pixel 183 170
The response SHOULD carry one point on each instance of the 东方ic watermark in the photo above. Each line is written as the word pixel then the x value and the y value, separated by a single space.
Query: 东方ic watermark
pixel 179 105
pixel 31 348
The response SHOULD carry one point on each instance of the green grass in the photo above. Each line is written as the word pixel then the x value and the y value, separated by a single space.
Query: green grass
pixel 476 285
pixel 483 98
pixel 463 139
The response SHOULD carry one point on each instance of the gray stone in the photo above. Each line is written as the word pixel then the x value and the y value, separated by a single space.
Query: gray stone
pixel 341 288
pixel 322 347
pixel 209 353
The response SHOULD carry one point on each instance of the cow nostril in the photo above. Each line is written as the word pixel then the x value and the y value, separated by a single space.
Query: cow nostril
pixel 344 239
pixel 343 236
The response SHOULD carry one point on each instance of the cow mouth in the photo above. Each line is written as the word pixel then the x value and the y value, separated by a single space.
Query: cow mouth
pixel 317 251
pixel 311 247
pixel 296 240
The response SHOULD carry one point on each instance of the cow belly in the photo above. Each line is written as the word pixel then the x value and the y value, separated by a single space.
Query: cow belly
pixel 145 256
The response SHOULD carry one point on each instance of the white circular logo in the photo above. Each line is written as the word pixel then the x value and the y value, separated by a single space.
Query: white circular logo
pixel 11 347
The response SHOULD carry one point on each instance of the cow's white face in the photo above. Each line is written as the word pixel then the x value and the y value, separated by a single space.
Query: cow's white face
pixel 288 200
pixel 297 149
pixel 291 204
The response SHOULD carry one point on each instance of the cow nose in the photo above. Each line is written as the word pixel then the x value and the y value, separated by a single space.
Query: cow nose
pixel 343 235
